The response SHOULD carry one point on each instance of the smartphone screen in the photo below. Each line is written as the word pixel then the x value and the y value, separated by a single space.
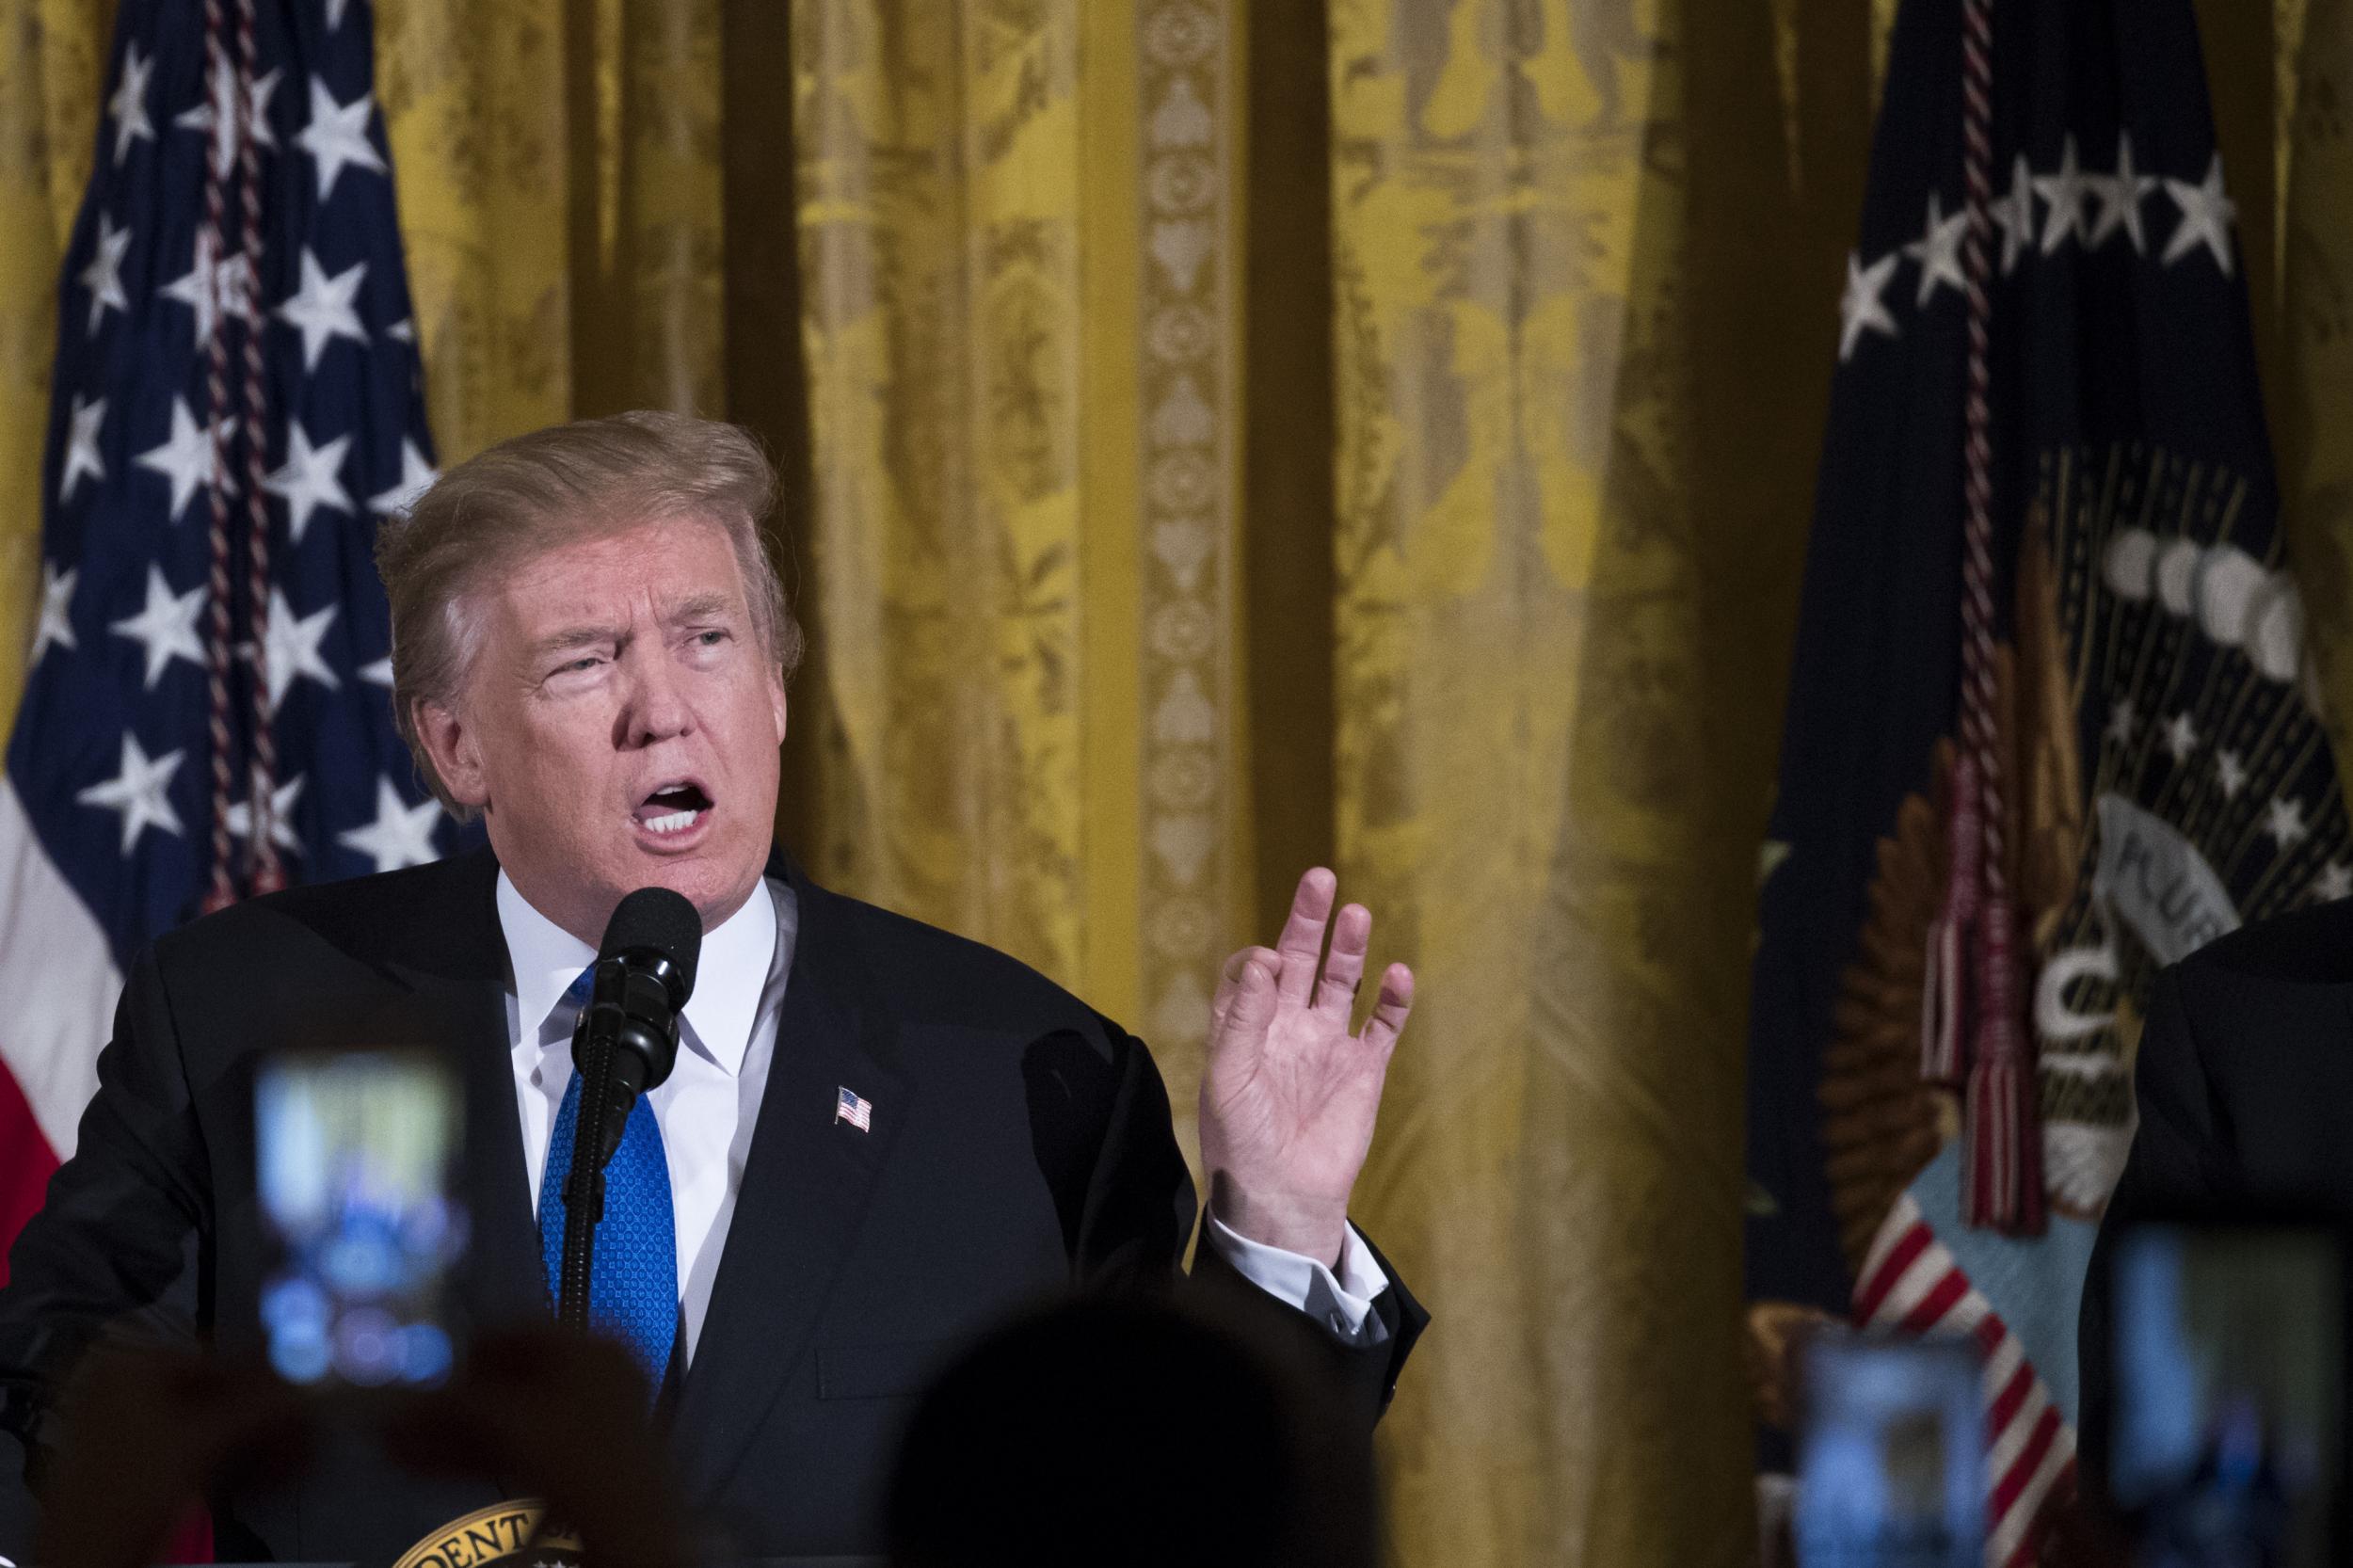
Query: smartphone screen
pixel 1891 1456
pixel 357 1165
pixel 2228 1351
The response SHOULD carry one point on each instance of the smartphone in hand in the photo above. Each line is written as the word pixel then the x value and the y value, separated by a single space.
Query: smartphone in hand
pixel 2228 1344
pixel 1891 1459
pixel 358 1153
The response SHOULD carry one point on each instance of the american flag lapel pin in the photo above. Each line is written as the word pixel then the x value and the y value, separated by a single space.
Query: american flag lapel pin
pixel 856 1110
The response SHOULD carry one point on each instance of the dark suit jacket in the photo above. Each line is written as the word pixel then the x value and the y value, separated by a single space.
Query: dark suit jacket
pixel 2244 1085
pixel 1020 1145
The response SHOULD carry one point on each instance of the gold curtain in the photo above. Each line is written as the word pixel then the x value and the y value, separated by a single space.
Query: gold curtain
pixel 1016 242
pixel 2310 368
pixel 1579 402
pixel 941 172
pixel 560 186
pixel 53 56
pixel 1225 435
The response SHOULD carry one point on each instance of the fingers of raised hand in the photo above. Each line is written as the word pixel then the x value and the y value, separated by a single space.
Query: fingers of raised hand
pixel 1231 978
pixel 1302 942
pixel 1344 969
pixel 1388 1013
pixel 1254 1002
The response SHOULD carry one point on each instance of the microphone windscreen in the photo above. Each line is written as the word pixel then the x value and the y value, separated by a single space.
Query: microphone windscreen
pixel 660 920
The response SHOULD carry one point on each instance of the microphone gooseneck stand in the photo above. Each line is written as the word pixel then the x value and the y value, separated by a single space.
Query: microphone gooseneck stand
pixel 584 1189
pixel 624 1044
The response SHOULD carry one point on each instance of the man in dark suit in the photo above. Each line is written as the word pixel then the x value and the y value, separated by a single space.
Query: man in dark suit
pixel 2243 1079
pixel 590 652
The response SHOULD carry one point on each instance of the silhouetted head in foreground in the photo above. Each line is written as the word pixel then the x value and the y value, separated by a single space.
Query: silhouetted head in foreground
pixel 1127 1431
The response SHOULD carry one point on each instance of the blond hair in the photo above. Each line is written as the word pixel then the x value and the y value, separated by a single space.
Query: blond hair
pixel 550 488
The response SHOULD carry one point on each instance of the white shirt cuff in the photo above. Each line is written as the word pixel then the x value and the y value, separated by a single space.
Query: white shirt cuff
pixel 1341 1302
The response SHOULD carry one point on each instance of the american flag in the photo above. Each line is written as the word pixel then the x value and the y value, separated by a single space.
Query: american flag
pixel 855 1110
pixel 237 401
pixel 1912 1284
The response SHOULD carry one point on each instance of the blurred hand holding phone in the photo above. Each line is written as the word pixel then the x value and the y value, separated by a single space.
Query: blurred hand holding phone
pixel 358 1179
pixel 1891 1458
pixel 2227 1347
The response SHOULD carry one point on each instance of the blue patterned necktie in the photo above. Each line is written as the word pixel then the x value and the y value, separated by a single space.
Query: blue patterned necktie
pixel 634 1294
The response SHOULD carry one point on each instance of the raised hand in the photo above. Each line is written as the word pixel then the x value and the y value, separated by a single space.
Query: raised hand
pixel 1291 1095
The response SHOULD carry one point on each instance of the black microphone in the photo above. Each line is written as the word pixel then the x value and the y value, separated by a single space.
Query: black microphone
pixel 644 974
pixel 625 1043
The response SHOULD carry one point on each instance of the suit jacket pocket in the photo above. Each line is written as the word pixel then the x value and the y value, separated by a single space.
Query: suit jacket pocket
pixel 880 1371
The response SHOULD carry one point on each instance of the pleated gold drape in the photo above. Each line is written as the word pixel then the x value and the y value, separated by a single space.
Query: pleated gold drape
pixel 1224 435
pixel 1019 316
pixel 2308 337
pixel 1579 263
pixel 53 59
pixel 561 194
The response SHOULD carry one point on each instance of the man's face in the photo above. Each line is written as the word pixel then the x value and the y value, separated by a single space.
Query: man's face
pixel 620 726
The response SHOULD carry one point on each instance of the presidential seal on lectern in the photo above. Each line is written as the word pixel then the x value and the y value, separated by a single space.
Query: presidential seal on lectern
pixel 514 1532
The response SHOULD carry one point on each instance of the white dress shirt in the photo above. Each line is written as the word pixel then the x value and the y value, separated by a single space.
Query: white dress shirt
pixel 709 1104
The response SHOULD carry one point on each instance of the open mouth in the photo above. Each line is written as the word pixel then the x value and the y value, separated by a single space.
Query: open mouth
pixel 673 807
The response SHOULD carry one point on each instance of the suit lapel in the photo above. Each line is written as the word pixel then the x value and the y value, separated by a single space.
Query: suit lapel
pixel 806 1181
pixel 504 1281
pixel 455 964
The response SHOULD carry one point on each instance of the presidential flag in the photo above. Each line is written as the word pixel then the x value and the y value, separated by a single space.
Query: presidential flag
pixel 2052 723
pixel 236 403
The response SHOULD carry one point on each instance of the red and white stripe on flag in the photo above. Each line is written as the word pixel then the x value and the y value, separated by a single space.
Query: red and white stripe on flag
pixel 55 961
pixel 1912 1284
